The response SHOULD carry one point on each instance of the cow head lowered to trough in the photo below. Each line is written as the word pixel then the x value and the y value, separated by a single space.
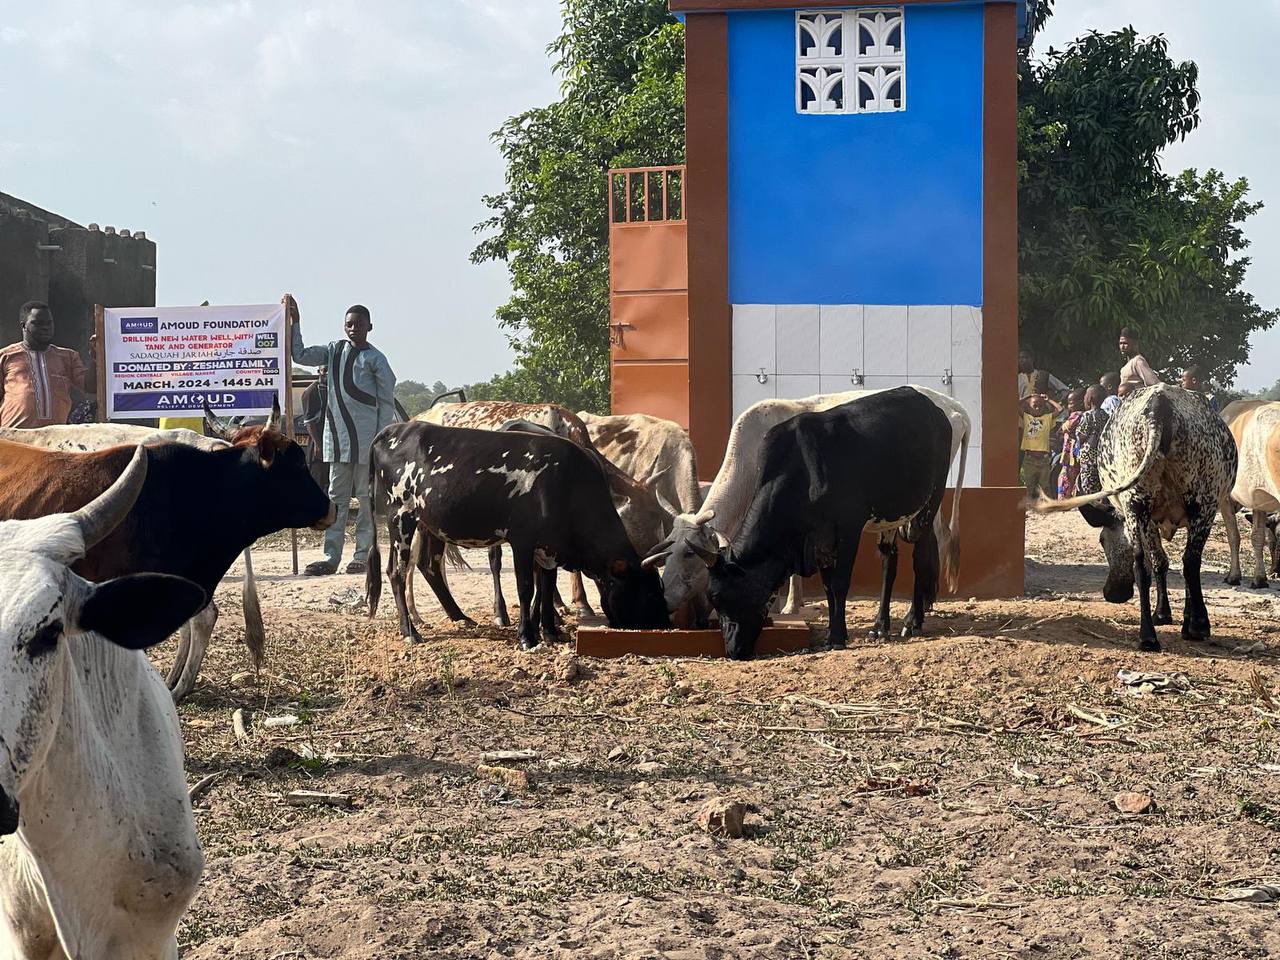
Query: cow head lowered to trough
pixel 741 594
pixel 1115 544
pixel 43 606
pixel 683 557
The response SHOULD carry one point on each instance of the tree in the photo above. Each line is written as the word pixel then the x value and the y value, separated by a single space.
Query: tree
pixel 622 104
pixel 1106 239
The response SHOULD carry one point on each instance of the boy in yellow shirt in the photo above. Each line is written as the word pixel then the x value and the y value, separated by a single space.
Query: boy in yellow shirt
pixel 1038 415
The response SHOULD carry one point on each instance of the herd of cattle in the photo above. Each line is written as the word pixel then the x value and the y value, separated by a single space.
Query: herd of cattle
pixel 109 546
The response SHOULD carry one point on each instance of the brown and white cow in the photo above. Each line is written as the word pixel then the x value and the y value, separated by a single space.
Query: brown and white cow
pixel 643 515
pixel 1255 427
pixel 652 450
pixel 195 636
pixel 198 510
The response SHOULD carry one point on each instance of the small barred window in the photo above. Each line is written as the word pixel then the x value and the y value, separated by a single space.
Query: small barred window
pixel 850 61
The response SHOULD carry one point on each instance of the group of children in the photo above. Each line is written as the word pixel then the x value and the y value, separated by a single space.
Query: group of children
pixel 1068 438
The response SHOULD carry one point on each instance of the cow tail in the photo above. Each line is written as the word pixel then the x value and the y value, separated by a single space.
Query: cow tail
pixel 1156 441
pixel 951 549
pixel 255 633
pixel 455 558
pixel 373 571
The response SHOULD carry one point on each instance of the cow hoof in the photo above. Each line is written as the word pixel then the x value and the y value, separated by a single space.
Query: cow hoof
pixel 502 621
pixel 1194 634
pixel 1260 583
pixel 1230 580
pixel 908 631
pixel 837 643
pixel 877 633
pixel 583 612
pixel 1149 644
pixel 1162 619
pixel 468 622
pixel 526 644
pixel 411 638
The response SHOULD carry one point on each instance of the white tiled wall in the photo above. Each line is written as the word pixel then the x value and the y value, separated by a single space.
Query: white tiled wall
pixel 804 349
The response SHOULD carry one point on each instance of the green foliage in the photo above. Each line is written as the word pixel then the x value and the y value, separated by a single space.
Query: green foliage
pixel 1106 239
pixel 622 104
pixel 416 397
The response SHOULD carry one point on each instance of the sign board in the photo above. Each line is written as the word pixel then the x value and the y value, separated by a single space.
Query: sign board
pixel 170 361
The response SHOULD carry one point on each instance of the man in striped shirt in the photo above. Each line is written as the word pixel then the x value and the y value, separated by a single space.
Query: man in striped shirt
pixel 359 402
pixel 39 383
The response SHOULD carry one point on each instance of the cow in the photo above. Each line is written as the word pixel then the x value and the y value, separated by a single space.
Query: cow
pixel 195 635
pixel 1165 461
pixel 654 451
pixel 1255 428
pixel 545 496
pixel 878 463
pixel 684 575
pixel 198 511
pixel 1272 521
pixel 644 514
pixel 99 855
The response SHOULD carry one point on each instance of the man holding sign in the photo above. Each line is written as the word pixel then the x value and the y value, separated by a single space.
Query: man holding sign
pixel 359 403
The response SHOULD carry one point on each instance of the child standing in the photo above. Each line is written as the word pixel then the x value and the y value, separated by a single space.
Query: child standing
pixel 1038 414
pixel 1070 458
pixel 1194 380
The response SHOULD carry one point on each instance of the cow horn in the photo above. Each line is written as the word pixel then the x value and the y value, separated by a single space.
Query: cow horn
pixel 657 473
pixel 656 560
pixel 214 426
pixel 666 504
pixel 100 516
pixel 721 539
pixel 704 517
pixel 709 557
pixel 273 421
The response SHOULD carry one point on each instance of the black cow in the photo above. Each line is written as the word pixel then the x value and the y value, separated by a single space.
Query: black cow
pixel 877 463
pixel 543 495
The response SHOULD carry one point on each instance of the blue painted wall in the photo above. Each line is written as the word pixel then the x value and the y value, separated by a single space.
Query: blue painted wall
pixel 864 208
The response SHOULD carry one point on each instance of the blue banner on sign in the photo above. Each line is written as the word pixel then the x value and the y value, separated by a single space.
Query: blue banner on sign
pixel 167 400
pixel 139 324
pixel 266 365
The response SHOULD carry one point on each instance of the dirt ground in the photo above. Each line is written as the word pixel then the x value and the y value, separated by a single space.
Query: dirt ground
pixel 947 796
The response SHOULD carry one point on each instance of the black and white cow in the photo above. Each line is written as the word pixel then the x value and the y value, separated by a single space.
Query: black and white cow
pixel 878 463
pixel 1166 460
pixel 543 495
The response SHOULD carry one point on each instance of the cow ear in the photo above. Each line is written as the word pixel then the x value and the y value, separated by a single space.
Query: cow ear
pixel 139 611
pixel 268 446
pixel 711 558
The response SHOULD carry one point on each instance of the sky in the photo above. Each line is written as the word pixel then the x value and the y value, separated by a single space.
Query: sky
pixel 335 149
pixel 339 150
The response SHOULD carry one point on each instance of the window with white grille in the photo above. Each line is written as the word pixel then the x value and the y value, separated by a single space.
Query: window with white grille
pixel 851 61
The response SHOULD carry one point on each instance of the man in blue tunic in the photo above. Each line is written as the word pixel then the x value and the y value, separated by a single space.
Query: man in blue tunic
pixel 360 402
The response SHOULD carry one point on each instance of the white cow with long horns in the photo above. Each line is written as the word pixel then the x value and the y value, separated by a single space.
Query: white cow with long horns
pixel 98 849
